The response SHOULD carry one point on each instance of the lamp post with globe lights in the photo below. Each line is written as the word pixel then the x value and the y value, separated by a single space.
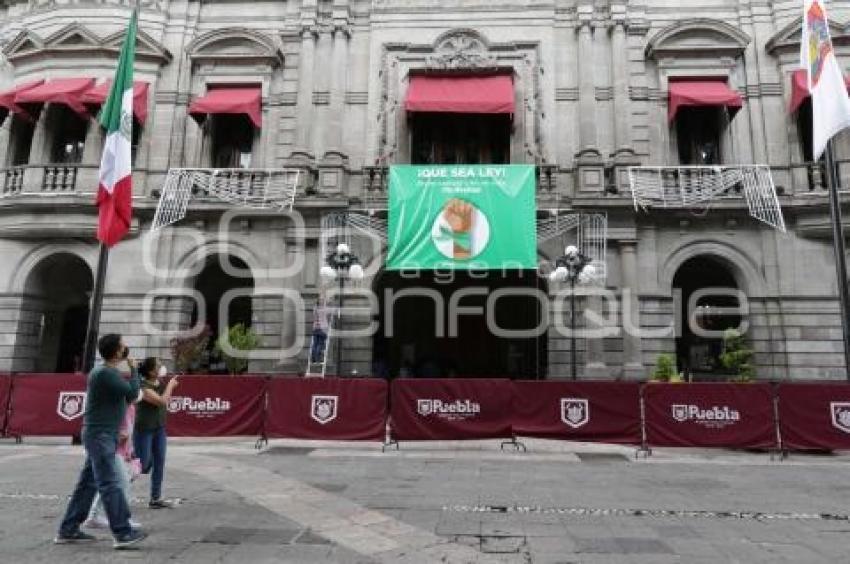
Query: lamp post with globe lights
pixel 341 264
pixel 575 267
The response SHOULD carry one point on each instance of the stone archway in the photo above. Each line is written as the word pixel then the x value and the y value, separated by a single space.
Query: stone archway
pixel 698 342
pixel 54 314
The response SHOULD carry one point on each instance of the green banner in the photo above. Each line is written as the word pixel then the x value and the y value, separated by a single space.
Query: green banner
pixel 462 217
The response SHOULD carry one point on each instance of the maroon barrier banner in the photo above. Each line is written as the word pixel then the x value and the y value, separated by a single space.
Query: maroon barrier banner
pixel 47 404
pixel 5 389
pixel 814 416
pixel 709 415
pixel 327 408
pixel 437 409
pixel 216 406
pixel 607 412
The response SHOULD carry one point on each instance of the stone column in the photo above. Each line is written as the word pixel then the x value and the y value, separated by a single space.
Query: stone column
pixel 595 366
pixel 586 87
pixel 304 102
pixel 632 350
pixel 620 82
pixel 320 94
pixel 338 87
pixel 591 177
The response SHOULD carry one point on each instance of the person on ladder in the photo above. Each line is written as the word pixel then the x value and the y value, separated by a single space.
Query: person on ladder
pixel 321 325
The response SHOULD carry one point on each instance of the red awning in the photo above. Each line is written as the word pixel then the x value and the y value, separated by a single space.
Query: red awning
pixel 67 91
pixel 492 94
pixel 246 101
pixel 99 94
pixel 800 89
pixel 7 100
pixel 702 93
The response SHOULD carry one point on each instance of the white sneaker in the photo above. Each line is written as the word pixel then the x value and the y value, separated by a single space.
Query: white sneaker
pixel 135 524
pixel 98 522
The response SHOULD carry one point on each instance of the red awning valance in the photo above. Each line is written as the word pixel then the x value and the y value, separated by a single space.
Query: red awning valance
pixel 99 94
pixel 7 100
pixel 67 91
pixel 246 101
pixel 702 93
pixel 491 94
pixel 800 89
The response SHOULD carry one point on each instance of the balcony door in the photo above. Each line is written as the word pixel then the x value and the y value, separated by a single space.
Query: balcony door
pixel 455 138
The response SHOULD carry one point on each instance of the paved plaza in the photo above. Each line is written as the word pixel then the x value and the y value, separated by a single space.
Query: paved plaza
pixel 446 502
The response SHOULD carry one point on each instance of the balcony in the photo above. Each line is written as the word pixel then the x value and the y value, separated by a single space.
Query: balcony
pixel 48 180
pixel 703 187
pixel 249 188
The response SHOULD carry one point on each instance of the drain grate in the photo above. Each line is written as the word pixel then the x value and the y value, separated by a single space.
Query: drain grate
pixel 288 451
pixel 604 512
pixel 601 457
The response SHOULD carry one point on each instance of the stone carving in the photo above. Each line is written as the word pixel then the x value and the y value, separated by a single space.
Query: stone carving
pixel 461 50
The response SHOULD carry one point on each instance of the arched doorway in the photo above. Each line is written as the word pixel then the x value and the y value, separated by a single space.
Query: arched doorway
pixel 54 315
pixel 699 355
pixel 213 282
pixel 414 346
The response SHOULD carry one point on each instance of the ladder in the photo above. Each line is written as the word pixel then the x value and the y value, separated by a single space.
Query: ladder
pixel 319 369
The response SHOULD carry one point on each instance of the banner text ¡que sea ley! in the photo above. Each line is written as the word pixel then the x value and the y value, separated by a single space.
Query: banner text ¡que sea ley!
pixel 462 217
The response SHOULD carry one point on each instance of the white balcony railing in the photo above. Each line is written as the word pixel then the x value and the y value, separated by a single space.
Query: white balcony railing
pixel 250 188
pixel 699 187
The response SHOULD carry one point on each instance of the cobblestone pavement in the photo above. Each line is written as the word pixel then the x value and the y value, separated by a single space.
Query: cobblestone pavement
pixel 453 502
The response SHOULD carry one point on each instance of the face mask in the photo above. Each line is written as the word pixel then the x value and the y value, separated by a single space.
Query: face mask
pixel 163 371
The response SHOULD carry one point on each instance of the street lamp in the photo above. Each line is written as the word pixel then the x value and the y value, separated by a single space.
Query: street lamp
pixel 573 266
pixel 340 264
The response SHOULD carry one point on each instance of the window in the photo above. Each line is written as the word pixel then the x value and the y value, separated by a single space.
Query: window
pixel 232 141
pixel 21 140
pixel 134 139
pixel 698 135
pixel 69 136
pixel 815 172
pixel 454 138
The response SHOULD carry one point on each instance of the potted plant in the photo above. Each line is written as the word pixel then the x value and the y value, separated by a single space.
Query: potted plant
pixel 665 369
pixel 187 351
pixel 240 338
pixel 737 357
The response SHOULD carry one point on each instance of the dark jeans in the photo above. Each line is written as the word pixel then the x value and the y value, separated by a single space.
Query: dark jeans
pixel 319 340
pixel 150 448
pixel 99 475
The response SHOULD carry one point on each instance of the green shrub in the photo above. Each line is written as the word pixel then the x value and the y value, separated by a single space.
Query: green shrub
pixel 737 357
pixel 665 368
pixel 241 338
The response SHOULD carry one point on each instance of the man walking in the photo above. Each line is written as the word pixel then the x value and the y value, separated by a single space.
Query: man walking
pixel 107 394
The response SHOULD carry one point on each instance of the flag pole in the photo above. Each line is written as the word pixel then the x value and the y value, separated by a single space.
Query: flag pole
pixel 833 183
pixel 94 310
pixel 93 324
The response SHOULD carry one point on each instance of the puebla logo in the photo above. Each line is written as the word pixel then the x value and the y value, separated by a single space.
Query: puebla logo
pixel 207 407
pixel 714 416
pixel 840 412
pixel 71 405
pixel 323 409
pixel 448 410
pixel 820 45
pixel 575 412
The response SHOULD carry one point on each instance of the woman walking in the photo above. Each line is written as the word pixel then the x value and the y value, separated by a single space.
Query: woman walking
pixel 149 436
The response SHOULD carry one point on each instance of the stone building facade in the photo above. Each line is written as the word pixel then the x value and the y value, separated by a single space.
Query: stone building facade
pixel 591 83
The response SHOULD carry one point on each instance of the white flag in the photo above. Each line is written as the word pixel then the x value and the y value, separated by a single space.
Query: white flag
pixel 830 103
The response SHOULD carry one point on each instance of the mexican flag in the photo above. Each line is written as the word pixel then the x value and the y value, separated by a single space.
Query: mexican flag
pixel 115 190
pixel 830 103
